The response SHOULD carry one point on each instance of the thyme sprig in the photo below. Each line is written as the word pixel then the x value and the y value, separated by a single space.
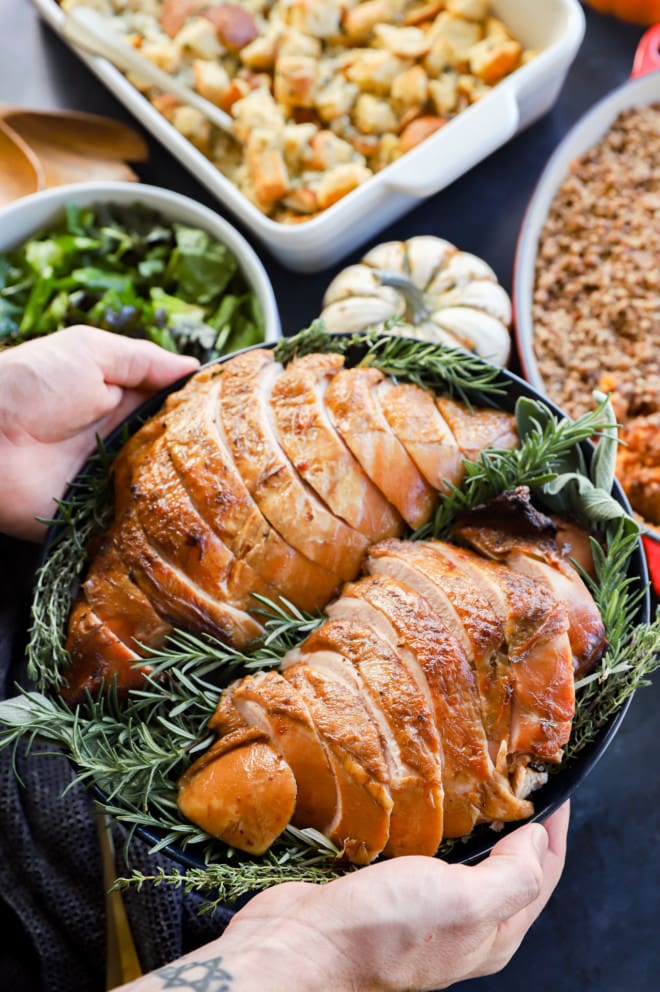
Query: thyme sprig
pixel 626 667
pixel 135 751
pixel 432 366
pixel 222 878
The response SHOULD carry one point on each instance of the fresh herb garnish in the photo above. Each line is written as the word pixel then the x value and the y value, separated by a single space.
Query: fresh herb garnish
pixel 126 270
pixel 440 369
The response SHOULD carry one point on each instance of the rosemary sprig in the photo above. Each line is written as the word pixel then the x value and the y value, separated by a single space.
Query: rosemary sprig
pixel 86 512
pixel 626 667
pixel 634 650
pixel 314 339
pixel 432 366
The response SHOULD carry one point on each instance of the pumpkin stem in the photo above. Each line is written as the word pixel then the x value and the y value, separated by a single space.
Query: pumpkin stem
pixel 416 309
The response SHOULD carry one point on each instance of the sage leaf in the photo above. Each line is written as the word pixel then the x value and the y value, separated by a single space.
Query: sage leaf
pixel 599 506
pixel 531 416
pixel 20 711
pixel 603 463
pixel 574 479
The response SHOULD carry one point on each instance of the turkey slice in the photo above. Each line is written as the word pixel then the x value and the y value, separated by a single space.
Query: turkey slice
pixel 362 424
pixel 290 506
pixel 319 454
pixel 199 452
pixel 414 417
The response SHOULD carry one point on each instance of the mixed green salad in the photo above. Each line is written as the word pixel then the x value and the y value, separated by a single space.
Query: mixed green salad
pixel 126 269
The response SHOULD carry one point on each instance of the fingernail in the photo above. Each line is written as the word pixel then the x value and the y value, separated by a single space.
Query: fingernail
pixel 539 839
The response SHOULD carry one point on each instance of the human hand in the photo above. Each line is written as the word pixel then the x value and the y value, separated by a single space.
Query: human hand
pixel 56 394
pixel 412 923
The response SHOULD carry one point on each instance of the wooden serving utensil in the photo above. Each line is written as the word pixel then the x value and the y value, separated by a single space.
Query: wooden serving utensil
pixel 122 962
pixel 85 134
pixel 87 29
pixel 41 148
pixel 21 172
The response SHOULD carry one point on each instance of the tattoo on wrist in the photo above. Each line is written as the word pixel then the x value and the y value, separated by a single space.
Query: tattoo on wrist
pixel 196 976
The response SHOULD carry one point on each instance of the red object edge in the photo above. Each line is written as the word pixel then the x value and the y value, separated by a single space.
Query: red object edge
pixel 647 59
pixel 647 55
pixel 652 549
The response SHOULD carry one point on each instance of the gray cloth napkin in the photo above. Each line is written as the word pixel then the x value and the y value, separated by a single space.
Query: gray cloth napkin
pixel 51 886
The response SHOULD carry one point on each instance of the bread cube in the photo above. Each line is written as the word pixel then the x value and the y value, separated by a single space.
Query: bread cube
pixel 211 80
pixel 340 181
pixel 198 36
pixel 492 59
pixel 335 98
pixel 443 93
pixel 410 88
pixel 374 70
pixel 267 169
pixel 471 10
pixel 372 115
pixel 359 22
pixel 406 43
pixel 459 34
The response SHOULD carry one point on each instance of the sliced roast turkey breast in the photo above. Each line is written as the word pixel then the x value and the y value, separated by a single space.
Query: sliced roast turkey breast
pixel 541 672
pixel 288 503
pixel 474 790
pixel 177 530
pixel 176 596
pixel 511 530
pixel 415 419
pixel 98 655
pixel 240 790
pixel 361 824
pixel 362 424
pixel 199 452
pixel 112 617
pixel 476 429
pixel 319 454
pixel 353 654
pixel 117 599
pixel 271 703
pixel 466 610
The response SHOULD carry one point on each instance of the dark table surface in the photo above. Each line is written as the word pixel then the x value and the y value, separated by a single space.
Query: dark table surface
pixel 600 930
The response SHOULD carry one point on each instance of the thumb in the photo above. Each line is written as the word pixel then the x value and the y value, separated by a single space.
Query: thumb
pixel 133 364
pixel 511 878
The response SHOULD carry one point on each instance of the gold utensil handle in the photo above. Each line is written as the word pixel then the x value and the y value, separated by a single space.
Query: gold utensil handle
pixel 122 962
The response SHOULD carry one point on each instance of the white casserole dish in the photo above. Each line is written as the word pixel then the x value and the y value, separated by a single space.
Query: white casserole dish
pixel 20 220
pixel 553 27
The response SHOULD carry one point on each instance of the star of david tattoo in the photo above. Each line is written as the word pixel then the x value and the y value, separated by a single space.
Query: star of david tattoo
pixel 197 976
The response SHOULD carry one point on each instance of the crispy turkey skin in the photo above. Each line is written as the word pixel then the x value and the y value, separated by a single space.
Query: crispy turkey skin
pixel 256 479
pixel 441 682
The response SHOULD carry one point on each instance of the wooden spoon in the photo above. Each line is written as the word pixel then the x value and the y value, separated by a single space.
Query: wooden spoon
pixel 75 147
pixel 21 173
pixel 84 134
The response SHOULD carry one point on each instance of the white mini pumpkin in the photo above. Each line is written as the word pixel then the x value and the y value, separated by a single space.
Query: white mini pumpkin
pixel 436 292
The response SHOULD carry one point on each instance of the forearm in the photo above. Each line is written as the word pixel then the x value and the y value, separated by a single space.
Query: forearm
pixel 230 965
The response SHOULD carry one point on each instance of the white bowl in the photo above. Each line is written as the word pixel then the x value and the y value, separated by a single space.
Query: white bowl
pixel 584 135
pixel 552 27
pixel 24 218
